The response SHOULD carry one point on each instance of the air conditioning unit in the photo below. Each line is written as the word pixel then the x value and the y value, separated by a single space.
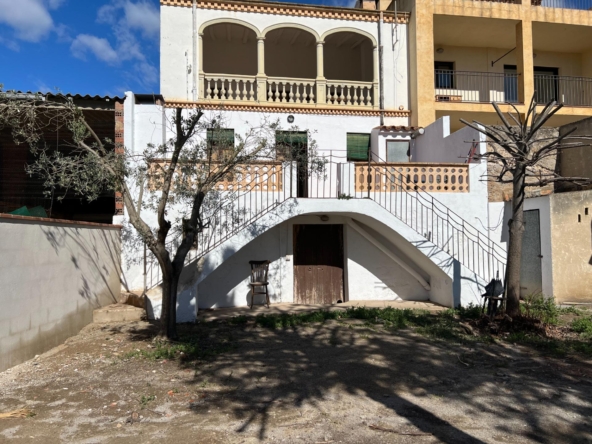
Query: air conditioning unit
pixel 441 98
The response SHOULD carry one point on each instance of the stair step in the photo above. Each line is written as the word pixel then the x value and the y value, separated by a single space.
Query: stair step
pixel 118 313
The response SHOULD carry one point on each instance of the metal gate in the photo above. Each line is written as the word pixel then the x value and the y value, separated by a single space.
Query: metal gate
pixel 531 275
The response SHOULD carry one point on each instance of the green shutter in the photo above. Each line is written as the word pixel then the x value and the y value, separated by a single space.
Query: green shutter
pixel 358 146
pixel 220 137
pixel 291 137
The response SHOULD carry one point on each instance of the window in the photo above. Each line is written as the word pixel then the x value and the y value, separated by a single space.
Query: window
pixel 358 146
pixel 397 151
pixel 444 74
pixel 220 142
pixel 290 145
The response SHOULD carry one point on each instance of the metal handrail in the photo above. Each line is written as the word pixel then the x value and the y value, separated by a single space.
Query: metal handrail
pixel 419 210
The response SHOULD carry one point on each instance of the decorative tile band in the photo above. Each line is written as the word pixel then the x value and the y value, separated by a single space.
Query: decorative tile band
pixel 294 10
pixel 286 109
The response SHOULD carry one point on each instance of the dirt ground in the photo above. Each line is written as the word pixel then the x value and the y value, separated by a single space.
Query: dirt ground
pixel 339 381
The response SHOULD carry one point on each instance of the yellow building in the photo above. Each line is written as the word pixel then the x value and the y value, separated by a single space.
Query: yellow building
pixel 464 54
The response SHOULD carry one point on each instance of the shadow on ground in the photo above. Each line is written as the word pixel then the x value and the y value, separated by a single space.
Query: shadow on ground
pixel 468 393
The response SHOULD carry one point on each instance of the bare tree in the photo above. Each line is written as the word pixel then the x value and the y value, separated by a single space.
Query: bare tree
pixel 519 151
pixel 181 173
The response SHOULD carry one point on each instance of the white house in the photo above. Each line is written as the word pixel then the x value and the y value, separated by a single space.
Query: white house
pixel 402 224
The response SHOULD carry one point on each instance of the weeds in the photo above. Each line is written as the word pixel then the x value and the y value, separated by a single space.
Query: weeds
pixel 536 306
pixel 583 326
pixel 188 348
pixel 144 400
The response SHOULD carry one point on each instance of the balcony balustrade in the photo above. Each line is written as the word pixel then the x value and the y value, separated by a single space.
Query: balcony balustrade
pixel 396 177
pixel 483 87
pixel 350 93
pixel 286 90
pixel 223 87
pixel 571 91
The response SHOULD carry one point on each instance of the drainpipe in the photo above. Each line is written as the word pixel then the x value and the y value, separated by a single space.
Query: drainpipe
pixel 380 69
pixel 194 67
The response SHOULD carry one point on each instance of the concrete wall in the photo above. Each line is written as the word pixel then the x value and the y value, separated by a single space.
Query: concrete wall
pixel 52 276
pixel 438 144
pixel 571 237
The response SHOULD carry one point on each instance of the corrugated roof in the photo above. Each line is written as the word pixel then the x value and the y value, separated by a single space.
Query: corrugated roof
pixel 74 96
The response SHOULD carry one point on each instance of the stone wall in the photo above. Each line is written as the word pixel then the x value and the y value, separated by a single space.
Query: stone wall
pixel 501 192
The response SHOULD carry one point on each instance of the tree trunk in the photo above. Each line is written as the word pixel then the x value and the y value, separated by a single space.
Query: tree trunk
pixel 516 226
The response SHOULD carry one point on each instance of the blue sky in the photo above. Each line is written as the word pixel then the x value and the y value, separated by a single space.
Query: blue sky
pixel 103 47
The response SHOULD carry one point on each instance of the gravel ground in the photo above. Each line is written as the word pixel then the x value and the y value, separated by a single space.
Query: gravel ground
pixel 340 381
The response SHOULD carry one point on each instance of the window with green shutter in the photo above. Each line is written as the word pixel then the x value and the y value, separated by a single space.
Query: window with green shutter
pixel 358 146
pixel 288 143
pixel 219 141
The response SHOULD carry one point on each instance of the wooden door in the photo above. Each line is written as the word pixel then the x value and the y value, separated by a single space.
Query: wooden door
pixel 318 264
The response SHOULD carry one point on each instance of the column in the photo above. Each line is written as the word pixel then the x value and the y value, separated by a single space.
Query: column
pixel 375 82
pixel 261 77
pixel 421 64
pixel 524 61
pixel 201 75
pixel 321 82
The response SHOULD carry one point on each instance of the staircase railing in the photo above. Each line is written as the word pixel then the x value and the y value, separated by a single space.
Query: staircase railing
pixel 261 189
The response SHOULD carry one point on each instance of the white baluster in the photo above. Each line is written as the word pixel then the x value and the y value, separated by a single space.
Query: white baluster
pixel 355 95
pixel 311 95
pixel 209 88
pixel 283 96
pixel 216 90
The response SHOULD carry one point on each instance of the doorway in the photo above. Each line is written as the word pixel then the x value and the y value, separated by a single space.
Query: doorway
pixel 531 275
pixel 292 146
pixel 318 264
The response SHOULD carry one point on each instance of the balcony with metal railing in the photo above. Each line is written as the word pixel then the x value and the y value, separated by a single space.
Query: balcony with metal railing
pixel 475 87
pixel 485 87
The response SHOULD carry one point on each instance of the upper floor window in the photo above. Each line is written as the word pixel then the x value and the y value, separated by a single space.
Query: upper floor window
pixel 397 151
pixel 220 141
pixel 358 147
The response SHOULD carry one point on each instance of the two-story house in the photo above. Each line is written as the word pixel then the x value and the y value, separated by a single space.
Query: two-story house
pixel 395 213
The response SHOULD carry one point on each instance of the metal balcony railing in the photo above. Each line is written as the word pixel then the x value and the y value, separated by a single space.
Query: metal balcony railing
pixel 571 91
pixel 403 189
pixel 478 87
pixel 585 5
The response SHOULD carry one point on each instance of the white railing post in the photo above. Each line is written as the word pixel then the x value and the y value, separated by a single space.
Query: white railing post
pixel 201 75
pixel 375 92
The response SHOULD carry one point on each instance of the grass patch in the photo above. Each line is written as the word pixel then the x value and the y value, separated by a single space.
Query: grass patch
pixel 145 399
pixel 583 326
pixel 555 347
pixel 187 348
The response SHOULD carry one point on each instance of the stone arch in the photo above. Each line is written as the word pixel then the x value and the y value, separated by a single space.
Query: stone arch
pixel 230 21
pixel 348 29
pixel 229 46
pixel 291 25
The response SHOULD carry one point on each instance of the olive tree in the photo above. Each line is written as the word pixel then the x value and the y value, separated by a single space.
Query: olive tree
pixel 173 181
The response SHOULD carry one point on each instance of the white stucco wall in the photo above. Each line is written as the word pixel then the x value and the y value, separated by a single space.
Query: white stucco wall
pixel 176 42
pixel 52 276
pixel 438 144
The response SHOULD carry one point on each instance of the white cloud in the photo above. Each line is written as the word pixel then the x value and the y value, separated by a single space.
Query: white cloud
pixel 10 44
pixel 101 48
pixel 124 17
pixel 30 19
pixel 55 4
pixel 141 15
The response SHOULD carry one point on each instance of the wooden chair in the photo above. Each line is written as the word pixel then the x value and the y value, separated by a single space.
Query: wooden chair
pixel 259 271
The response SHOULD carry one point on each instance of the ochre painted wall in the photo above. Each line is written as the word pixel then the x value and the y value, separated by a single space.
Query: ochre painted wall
pixel 571 239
